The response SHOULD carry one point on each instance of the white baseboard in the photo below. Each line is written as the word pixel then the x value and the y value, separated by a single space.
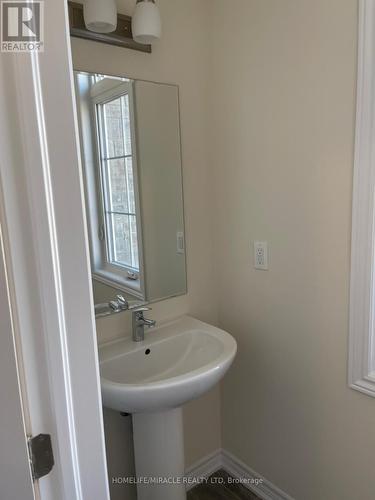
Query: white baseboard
pixel 251 479
pixel 222 459
pixel 204 468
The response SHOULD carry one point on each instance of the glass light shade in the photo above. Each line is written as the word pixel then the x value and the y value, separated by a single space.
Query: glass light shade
pixel 100 15
pixel 146 22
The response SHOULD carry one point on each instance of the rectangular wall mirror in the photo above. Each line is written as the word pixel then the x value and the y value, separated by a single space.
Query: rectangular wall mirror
pixel 131 155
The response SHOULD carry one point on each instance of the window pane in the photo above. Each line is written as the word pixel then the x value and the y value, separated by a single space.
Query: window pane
pixel 116 116
pixel 125 247
pixel 114 129
pixel 118 186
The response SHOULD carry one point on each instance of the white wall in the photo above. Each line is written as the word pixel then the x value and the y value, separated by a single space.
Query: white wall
pixel 181 57
pixel 283 161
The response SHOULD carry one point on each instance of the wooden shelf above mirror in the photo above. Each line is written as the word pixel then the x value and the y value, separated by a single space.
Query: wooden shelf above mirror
pixel 122 37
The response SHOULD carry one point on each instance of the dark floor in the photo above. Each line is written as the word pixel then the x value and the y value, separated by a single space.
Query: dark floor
pixel 218 487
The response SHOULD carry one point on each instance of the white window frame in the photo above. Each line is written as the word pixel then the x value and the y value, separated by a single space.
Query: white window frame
pixel 362 286
pixel 103 271
pixel 108 238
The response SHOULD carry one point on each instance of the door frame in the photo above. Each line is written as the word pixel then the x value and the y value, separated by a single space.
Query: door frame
pixel 15 473
pixel 47 259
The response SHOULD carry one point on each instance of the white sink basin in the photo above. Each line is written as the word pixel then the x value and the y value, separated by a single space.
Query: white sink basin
pixel 178 361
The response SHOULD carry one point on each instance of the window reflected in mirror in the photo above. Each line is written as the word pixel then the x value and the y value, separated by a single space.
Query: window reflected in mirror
pixel 131 154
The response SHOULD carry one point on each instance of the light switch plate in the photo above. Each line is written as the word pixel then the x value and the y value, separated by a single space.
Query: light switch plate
pixel 261 255
pixel 180 242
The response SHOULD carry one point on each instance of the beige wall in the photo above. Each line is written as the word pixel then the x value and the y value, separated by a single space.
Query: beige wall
pixel 156 110
pixel 283 158
pixel 182 58
pixel 280 80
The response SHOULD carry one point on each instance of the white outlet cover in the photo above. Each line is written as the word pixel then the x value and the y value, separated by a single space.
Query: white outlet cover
pixel 261 255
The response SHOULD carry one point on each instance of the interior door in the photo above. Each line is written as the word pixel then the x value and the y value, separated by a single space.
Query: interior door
pixel 15 475
pixel 49 274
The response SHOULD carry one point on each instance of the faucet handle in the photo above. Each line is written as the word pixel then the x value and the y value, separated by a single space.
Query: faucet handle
pixel 138 314
pixel 123 303
pixel 114 305
pixel 141 309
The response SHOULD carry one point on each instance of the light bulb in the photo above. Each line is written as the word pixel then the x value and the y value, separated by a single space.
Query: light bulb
pixel 100 15
pixel 146 22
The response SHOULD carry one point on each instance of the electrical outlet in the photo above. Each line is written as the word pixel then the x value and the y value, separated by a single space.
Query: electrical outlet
pixel 261 255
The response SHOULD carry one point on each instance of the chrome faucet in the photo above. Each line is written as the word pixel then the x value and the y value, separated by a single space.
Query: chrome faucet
pixel 120 304
pixel 139 322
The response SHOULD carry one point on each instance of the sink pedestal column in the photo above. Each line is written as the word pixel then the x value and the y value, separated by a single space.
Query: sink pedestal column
pixel 159 455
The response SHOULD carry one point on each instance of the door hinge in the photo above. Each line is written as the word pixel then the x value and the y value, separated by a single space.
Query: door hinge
pixel 40 455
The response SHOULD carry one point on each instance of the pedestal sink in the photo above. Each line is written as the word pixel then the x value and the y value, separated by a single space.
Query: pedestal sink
pixel 178 361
